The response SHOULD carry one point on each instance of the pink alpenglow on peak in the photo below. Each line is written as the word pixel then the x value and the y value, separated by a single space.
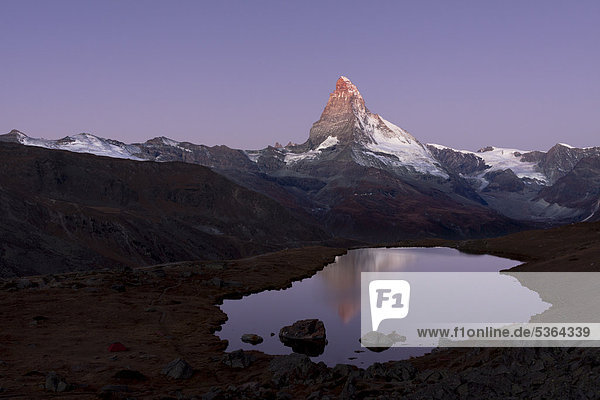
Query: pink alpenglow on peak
pixel 345 86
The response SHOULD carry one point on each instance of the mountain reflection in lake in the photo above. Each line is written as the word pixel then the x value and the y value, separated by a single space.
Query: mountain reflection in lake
pixel 333 296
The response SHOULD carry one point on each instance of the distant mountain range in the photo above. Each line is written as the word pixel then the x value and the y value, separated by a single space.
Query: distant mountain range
pixel 359 176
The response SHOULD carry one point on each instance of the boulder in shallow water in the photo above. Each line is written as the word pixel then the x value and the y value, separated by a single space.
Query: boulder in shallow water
pixel 252 338
pixel 306 329
pixel 306 336
pixel 396 337
pixel 376 341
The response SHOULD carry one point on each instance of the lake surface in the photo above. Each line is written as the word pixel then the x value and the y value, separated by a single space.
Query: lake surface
pixel 333 296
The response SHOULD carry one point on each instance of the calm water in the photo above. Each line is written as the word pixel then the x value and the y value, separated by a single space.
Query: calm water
pixel 333 296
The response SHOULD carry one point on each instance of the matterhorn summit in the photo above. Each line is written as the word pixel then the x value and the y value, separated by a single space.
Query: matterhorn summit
pixel 347 122
pixel 357 171
pixel 340 117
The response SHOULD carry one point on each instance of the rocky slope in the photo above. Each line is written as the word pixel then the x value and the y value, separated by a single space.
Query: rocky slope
pixel 518 183
pixel 67 211
pixel 578 189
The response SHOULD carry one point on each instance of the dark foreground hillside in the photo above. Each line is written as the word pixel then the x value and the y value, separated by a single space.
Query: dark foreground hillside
pixel 56 331
pixel 62 211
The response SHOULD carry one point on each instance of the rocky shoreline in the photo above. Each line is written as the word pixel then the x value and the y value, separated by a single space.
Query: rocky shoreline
pixel 57 329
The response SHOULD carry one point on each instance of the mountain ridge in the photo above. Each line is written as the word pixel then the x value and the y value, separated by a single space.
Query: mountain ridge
pixel 347 142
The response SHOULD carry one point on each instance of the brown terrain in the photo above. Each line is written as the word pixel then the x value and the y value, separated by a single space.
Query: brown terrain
pixel 64 211
pixel 571 248
pixel 65 323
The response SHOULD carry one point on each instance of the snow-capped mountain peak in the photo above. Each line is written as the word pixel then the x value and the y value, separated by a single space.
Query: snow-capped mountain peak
pixel 346 121
pixel 345 87
pixel 339 118
pixel 86 143
pixel 17 133
pixel 346 131
pixel 13 136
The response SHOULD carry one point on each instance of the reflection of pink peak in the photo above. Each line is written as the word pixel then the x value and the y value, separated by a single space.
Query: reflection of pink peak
pixel 345 274
pixel 342 280
pixel 348 309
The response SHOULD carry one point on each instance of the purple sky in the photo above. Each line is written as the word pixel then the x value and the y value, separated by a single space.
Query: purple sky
pixel 465 74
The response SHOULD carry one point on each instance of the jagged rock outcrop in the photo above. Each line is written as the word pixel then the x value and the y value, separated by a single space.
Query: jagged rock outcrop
pixel 458 161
